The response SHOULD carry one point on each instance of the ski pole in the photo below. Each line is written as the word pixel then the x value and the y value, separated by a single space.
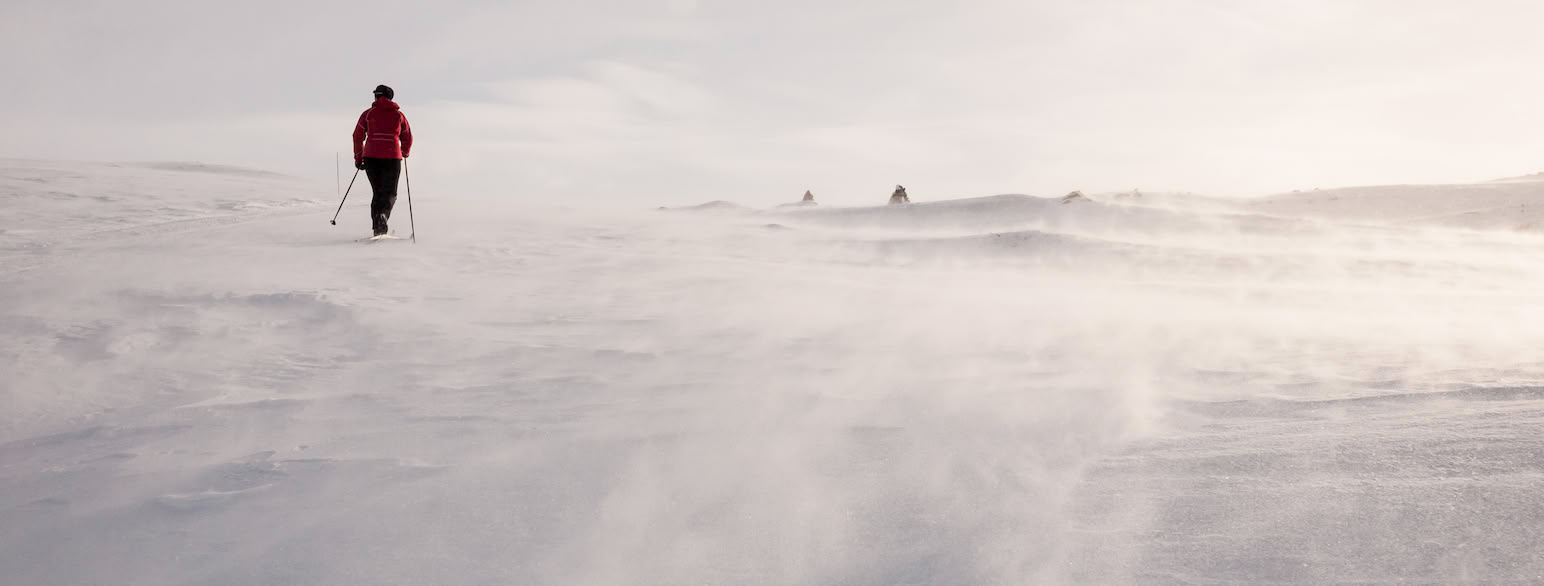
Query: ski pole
pixel 345 198
pixel 410 224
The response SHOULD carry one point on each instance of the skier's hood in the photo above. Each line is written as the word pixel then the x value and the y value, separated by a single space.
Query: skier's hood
pixel 382 102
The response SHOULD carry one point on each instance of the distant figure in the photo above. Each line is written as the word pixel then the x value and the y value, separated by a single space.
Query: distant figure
pixel 807 201
pixel 382 139
pixel 899 196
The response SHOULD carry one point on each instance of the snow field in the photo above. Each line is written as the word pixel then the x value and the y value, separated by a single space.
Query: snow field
pixel 207 384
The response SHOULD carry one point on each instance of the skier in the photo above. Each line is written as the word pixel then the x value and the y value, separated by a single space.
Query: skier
pixel 809 197
pixel 382 139
pixel 899 196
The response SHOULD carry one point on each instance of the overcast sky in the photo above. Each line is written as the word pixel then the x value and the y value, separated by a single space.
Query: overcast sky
pixel 645 102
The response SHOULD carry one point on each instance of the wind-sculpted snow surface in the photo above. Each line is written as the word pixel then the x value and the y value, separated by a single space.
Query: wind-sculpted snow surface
pixel 1508 204
pixel 205 383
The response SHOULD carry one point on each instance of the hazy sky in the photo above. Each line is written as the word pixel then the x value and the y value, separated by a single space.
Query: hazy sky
pixel 647 102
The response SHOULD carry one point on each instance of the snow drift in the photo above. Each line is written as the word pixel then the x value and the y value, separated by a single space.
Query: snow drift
pixel 207 383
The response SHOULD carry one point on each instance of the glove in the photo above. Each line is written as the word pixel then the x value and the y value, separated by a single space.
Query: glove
pixel 359 165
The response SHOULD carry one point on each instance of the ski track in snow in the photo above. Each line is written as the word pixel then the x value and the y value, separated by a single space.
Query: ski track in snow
pixel 208 384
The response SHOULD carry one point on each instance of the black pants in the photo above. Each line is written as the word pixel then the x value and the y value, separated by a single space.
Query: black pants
pixel 383 175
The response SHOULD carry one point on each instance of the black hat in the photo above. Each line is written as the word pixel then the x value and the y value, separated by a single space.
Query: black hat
pixel 382 91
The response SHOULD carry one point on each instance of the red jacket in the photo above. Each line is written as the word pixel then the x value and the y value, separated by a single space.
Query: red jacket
pixel 386 129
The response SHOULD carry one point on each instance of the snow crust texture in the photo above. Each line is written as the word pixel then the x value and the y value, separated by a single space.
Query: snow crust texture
pixel 205 383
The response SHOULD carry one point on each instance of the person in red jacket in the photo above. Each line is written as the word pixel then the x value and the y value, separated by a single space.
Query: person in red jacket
pixel 382 139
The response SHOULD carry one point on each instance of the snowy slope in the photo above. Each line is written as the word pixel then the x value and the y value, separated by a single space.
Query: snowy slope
pixel 208 384
pixel 1511 204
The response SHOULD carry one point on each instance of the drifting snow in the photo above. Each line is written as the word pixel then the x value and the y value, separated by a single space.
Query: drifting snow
pixel 1508 204
pixel 207 383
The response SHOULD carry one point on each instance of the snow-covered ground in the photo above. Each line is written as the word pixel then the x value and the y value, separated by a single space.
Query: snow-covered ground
pixel 205 383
